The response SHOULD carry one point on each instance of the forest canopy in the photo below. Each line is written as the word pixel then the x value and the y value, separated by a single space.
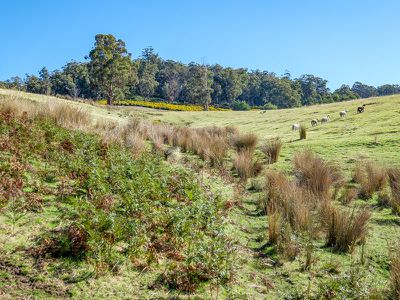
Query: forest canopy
pixel 111 72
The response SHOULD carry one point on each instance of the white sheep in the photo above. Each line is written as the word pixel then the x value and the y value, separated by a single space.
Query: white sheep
pixel 343 113
pixel 295 127
pixel 325 119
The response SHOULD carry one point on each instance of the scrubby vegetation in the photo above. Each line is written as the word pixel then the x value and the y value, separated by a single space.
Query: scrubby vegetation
pixel 104 206
pixel 163 105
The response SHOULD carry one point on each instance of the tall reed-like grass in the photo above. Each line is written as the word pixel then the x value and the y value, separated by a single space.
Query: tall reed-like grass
pixel 245 142
pixel 371 177
pixel 316 175
pixel 245 166
pixel 302 132
pixel 344 228
pixel 272 149
pixel 395 271
pixel 394 183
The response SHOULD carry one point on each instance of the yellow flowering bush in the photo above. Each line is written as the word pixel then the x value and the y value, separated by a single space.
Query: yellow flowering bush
pixel 162 105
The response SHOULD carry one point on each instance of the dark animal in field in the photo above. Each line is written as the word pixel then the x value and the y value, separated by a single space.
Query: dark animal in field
pixel 314 122
pixel 360 109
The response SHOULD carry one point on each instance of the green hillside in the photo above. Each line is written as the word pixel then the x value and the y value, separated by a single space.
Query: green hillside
pixel 94 205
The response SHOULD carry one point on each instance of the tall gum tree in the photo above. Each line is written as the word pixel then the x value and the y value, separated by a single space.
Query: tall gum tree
pixel 110 66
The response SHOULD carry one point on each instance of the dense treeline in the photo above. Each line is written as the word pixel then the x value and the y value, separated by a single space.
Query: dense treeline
pixel 110 72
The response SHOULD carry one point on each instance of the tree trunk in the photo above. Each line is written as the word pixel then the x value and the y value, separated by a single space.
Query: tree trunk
pixel 110 96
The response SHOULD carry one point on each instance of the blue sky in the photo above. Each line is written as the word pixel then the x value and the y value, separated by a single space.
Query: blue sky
pixel 341 41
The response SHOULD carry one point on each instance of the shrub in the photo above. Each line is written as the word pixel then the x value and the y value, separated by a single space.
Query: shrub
pixel 316 175
pixel 240 105
pixel 344 228
pixel 371 177
pixel 162 105
pixel 303 132
pixel 270 106
pixel 272 149
pixel 245 166
pixel 245 142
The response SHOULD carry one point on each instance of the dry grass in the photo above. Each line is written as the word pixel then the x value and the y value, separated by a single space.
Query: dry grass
pixel 245 166
pixel 344 228
pixel 302 132
pixel 272 150
pixel 371 177
pixel 316 175
pixel 348 195
pixel 395 271
pixel 292 202
pixel 274 227
pixel 245 142
pixel 68 116
pixel 394 183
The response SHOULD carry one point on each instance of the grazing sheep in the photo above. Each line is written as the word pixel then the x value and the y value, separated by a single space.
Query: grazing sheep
pixel 343 113
pixel 295 127
pixel 325 119
pixel 314 122
pixel 360 109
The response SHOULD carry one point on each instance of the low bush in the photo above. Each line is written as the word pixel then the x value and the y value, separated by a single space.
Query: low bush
pixel 270 106
pixel 240 105
pixel 162 105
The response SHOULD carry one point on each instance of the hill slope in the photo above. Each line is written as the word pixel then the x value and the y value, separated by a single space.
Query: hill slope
pixel 259 271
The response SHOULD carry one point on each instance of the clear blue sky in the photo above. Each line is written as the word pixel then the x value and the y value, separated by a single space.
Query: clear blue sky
pixel 341 41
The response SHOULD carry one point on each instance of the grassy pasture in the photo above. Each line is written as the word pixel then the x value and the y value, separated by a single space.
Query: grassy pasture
pixel 374 135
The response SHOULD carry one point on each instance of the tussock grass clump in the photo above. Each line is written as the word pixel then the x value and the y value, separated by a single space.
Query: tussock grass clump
pixel 245 166
pixel 317 175
pixel 274 226
pixel 245 142
pixel 371 177
pixel 293 203
pixel 394 183
pixel 344 228
pixel 217 150
pixel 272 150
pixel 302 132
pixel 395 271
pixel 348 195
